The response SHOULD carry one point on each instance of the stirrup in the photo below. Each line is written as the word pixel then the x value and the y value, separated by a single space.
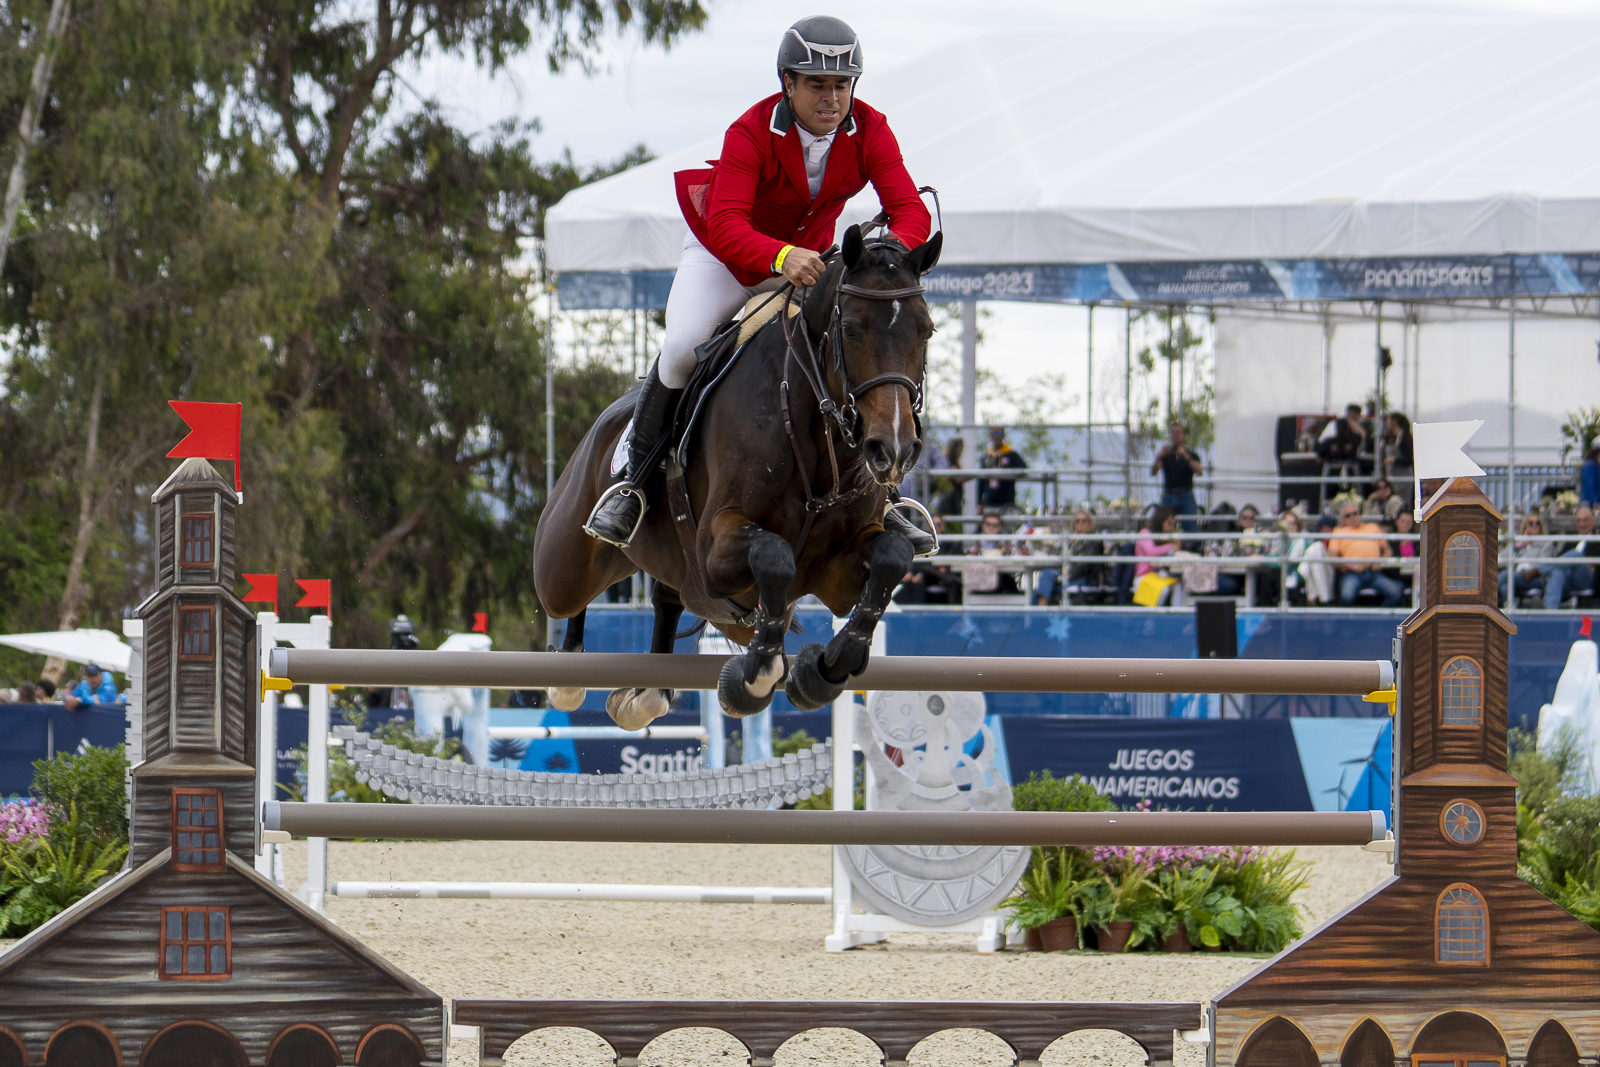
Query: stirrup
pixel 615 489
pixel 929 539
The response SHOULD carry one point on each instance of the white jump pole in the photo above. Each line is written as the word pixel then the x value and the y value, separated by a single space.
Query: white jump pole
pixel 268 863
pixel 668 894
pixel 317 633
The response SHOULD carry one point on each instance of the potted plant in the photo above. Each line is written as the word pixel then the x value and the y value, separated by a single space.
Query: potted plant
pixel 1183 892
pixel 1123 909
pixel 1046 902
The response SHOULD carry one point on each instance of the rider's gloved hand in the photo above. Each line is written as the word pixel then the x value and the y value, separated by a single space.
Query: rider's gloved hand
pixel 803 267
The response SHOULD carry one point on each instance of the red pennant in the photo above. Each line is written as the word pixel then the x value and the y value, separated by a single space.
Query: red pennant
pixel 1586 629
pixel 480 622
pixel 262 587
pixel 318 593
pixel 214 431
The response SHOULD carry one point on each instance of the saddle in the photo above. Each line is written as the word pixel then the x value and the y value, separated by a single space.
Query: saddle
pixel 713 360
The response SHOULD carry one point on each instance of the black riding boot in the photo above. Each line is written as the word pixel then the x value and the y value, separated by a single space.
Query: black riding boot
pixel 923 543
pixel 621 508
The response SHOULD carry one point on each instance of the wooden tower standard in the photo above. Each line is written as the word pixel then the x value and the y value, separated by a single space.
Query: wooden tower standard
pixel 188 957
pixel 1454 961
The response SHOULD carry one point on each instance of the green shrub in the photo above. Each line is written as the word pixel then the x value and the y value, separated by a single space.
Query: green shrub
pixel 1561 858
pixel 1043 791
pixel 95 785
pixel 46 876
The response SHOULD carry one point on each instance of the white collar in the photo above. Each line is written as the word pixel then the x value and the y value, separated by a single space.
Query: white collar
pixel 807 138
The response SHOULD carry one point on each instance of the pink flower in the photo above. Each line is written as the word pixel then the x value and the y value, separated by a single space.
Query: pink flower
pixel 23 819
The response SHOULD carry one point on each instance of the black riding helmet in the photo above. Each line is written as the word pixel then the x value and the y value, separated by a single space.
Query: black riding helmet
pixel 820 45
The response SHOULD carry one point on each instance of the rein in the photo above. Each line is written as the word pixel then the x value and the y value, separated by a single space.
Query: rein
pixel 843 415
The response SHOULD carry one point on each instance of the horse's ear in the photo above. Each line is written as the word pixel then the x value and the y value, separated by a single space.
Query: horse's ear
pixel 852 246
pixel 925 256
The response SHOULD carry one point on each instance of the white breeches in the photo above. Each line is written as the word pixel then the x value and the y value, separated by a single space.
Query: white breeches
pixel 704 296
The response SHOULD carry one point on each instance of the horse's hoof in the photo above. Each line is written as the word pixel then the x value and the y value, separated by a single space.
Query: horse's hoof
pixel 634 709
pixel 734 696
pixel 807 689
pixel 566 698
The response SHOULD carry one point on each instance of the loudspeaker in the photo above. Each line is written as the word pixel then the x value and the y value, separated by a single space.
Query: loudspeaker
pixel 1215 632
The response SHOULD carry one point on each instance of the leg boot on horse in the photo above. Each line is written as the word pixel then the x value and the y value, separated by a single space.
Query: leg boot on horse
pixel 569 698
pixel 634 709
pixel 620 510
pixel 819 675
pixel 748 683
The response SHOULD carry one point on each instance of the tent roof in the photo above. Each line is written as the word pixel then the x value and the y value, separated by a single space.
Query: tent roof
pixel 75 646
pixel 1119 145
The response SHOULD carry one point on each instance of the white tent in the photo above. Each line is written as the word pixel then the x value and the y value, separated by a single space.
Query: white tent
pixel 1123 145
pixel 100 647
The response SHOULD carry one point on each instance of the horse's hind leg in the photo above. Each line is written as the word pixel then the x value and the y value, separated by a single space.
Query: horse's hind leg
pixel 820 674
pixel 634 709
pixel 748 682
pixel 570 698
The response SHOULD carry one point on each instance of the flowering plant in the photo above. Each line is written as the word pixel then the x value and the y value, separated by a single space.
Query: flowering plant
pixel 23 820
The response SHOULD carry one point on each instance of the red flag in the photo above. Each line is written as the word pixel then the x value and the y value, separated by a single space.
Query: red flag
pixel 1587 628
pixel 318 593
pixel 480 622
pixel 214 431
pixel 262 587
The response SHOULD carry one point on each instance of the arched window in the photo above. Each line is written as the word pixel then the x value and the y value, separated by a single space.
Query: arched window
pixel 1461 927
pixel 1461 693
pixel 1463 564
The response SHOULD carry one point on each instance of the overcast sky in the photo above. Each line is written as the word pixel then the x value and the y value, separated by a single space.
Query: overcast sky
pixel 668 100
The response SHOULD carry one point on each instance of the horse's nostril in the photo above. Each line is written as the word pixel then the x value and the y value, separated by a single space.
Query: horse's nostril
pixel 878 455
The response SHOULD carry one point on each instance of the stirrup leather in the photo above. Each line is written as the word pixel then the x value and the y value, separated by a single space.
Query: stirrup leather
pixel 615 489
pixel 915 505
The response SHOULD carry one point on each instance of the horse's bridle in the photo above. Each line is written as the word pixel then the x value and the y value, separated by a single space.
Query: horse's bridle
pixel 846 416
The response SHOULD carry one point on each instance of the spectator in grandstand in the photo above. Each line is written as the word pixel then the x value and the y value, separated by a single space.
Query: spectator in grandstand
pixel 949 500
pixel 1343 439
pixel 1000 493
pixel 1589 477
pixel 47 690
pixel 1577 579
pixel 1398 450
pixel 1178 466
pixel 1155 539
pixel 1383 501
pixel 1531 572
pixel 1253 543
pixel 1356 576
pixel 1402 549
pixel 97 687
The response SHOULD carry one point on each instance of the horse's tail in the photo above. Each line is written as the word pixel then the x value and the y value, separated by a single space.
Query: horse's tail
pixel 697 628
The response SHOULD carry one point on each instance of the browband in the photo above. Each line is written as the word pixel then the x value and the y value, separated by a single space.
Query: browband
pixel 881 294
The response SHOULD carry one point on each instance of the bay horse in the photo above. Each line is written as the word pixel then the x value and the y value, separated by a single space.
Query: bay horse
pixel 788 475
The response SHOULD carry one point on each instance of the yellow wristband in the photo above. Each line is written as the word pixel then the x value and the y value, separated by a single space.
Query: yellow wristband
pixel 777 263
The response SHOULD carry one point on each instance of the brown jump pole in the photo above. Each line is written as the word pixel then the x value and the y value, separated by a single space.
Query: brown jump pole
pixel 992 674
pixel 738 827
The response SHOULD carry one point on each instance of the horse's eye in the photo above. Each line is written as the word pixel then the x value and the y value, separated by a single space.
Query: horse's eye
pixel 852 330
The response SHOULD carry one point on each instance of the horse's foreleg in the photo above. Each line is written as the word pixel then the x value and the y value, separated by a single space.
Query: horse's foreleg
pixel 570 698
pixel 748 683
pixel 821 674
pixel 634 709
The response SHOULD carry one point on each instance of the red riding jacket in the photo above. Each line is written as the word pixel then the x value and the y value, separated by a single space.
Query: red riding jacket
pixel 755 199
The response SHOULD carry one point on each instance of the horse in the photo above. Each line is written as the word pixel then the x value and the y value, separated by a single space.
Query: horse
pixel 788 476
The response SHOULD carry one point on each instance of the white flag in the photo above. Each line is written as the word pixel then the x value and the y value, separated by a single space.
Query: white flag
pixel 1437 453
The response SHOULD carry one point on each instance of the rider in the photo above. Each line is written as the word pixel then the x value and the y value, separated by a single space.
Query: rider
pixel 759 217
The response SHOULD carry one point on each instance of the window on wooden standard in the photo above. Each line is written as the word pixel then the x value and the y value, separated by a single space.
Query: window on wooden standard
pixel 194 633
pixel 1461 927
pixel 1463 559
pixel 1461 693
pixel 197 540
pixel 195 943
pixel 197 830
